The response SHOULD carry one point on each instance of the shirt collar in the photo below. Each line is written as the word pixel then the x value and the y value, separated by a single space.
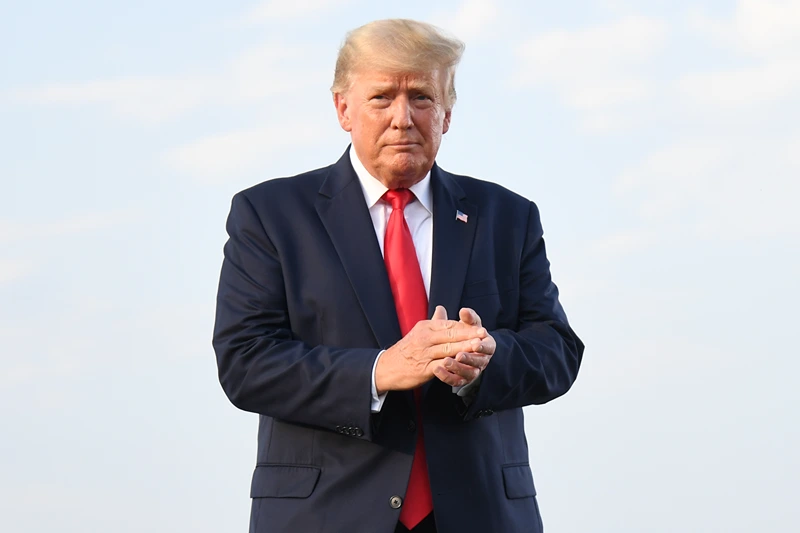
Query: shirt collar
pixel 374 189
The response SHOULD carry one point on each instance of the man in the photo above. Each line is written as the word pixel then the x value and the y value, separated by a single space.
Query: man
pixel 374 417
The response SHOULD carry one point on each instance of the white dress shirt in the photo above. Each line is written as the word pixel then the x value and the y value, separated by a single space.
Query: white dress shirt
pixel 419 217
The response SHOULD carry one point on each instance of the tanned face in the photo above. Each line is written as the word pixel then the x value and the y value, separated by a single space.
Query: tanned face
pixel 396 122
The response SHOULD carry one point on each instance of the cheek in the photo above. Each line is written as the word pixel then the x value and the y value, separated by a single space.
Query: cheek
pixel 361 128
pixel 432 122
pixel 373 123
pixel 433 131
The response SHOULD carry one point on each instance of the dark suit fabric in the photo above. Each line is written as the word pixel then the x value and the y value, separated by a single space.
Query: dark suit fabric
pixel 304 307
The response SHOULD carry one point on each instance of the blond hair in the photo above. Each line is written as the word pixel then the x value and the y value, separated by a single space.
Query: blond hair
pixel 398 45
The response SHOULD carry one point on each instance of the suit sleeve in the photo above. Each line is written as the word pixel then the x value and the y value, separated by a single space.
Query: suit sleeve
pixel 262 367
pixel 539 360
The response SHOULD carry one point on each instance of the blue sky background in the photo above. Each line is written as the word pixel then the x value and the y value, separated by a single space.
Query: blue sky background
pixel 660 141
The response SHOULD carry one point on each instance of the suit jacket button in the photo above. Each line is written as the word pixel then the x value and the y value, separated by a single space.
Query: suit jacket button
pixel 411 426
pixel 395 502
pixel 338 429
pixel 359 432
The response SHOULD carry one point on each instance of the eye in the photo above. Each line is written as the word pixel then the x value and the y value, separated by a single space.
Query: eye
pixel 422 98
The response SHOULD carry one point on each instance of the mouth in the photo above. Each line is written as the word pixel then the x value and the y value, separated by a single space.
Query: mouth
pixel 403 144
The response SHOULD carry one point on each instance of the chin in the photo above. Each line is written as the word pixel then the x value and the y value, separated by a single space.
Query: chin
pixel 411 170
pixel 407 162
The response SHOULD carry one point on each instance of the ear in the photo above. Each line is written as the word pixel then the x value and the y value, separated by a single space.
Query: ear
pixel 342 111
pixel 446 123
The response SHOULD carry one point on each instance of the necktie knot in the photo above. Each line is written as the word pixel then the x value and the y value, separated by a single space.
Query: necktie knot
pixel 398 198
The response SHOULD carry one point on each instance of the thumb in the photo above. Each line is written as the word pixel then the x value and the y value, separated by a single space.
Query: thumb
pixel 440 313
pixel 468 316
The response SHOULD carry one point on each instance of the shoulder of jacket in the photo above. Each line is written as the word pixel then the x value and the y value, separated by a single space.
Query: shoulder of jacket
pixel 287 186
pixel 476 188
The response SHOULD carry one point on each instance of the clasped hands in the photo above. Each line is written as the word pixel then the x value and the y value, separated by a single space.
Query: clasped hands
pixel 456 352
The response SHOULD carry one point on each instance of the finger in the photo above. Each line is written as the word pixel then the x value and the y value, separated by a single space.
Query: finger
pixel 460 369
pixel 469 316
pixel 440 313
pixel 451 379
pixel 487 346
pixel 475 360
pixel 450 349
pixel 455 334
pixel 437 325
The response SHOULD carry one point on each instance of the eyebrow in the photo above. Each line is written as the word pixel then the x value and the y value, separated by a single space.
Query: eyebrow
pixel 412 86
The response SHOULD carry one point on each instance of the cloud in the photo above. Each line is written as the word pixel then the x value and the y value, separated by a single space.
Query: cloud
pixel 759 28
pixel 254 76
pixel 793 156
pixel 471 20
pixel 617 6
pixel 766 32
pixel 717 188
pixel 743 87
pixel 619 244
pixel 27 232
pixel 27 372
pixel 608 94
pixel 66 347
pixel 595 70
pixel 279 10
pixel 11 231
pixel 145 99
pixel 14 269
pixel 220 156
pixel 567 57
pixel 272 68
pixel 604 72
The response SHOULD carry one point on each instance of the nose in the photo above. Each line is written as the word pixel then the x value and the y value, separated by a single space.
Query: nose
pixel 401 113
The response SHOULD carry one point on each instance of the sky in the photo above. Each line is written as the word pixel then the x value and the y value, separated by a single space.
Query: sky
pixel 660 140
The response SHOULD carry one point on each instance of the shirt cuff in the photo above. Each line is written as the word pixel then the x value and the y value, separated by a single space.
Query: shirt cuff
pixel 377 401
pixel 468 391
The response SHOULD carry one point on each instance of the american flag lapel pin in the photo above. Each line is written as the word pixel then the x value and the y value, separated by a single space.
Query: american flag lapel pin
pixel 461 216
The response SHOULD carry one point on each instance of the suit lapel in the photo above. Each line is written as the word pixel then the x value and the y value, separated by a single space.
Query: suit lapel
pixel 344 213
pixel 452 242
pixel 452 245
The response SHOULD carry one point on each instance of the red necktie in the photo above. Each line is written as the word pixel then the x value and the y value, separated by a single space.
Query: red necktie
pixel 411 303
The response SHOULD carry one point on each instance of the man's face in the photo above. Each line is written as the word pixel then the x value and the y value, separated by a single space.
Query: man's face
pixel 396 122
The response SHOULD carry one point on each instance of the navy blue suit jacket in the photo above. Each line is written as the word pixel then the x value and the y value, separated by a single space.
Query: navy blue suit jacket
pixel 303 308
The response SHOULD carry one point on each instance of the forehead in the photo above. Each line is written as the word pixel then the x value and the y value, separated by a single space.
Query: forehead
pixel 366 79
